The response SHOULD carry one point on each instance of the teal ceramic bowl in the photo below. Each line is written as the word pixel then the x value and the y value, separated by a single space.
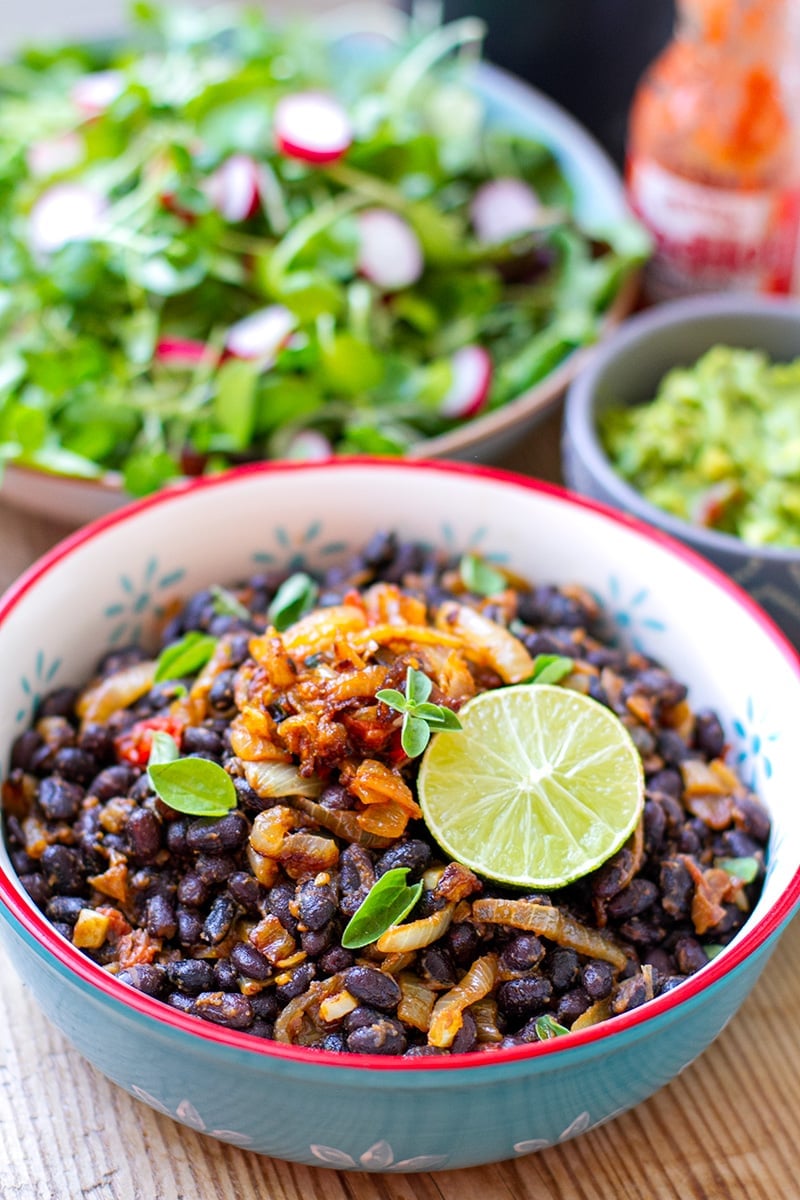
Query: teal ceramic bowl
pixel 108 583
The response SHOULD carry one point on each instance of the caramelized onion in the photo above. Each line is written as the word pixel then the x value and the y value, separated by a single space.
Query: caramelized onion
pixel 416 934
pixel 547 921
pixel 447 1017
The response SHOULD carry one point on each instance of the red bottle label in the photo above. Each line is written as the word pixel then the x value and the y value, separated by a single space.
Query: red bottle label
pixel 713 239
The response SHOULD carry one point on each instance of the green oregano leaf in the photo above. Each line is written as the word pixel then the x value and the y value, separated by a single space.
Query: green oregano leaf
pixel 420 718
pixel 225 604
pixel 547 1027
pixel 712 950
pixel 186 657
pixel 550 668
pixel 196 786
pixel 479 578
pixel 163 748
pixel 386 903
pixel 296 596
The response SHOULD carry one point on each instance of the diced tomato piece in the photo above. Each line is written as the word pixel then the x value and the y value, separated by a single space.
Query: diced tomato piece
pixel 134 744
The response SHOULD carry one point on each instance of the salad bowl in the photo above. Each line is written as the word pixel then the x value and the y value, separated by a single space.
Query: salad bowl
pixel 365 1112
pixel 165 380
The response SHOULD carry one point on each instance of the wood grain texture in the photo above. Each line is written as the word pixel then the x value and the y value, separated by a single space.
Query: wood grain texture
pixel 725 1130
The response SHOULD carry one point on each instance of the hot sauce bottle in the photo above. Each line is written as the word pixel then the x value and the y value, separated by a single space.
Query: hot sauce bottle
pixel 713 169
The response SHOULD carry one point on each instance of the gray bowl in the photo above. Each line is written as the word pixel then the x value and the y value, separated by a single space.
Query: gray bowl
pixel 627 370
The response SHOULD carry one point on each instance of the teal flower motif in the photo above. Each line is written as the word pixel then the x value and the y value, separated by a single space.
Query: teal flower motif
pixel 35 685
pixel 140 599
pixel 630 616
pixel 454 544
pixel 753 760
pixel 297 553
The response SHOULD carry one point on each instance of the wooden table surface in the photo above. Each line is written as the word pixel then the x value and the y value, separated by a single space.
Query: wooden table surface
pixel 725 1130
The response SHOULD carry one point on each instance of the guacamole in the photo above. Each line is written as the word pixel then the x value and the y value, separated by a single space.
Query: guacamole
pixel 718 445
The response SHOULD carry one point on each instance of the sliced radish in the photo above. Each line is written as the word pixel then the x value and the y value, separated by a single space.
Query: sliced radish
pixel 234 188
pixel 94 93
pixel 503 209
pixel 262 334
pixel 309 446
pixel 312 126
pixel 182 352
pixel 52 155
pixel 389 251
pixel 66 212
pixel 472 375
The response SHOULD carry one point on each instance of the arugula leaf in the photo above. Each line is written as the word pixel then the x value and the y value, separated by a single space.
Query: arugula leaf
pixel 386 904
pixel 186 657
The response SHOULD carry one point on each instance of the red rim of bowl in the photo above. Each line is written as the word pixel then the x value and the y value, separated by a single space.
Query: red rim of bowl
pixel 89 972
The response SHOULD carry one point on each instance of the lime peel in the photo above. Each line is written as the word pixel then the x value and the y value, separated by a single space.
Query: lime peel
pixel 542 787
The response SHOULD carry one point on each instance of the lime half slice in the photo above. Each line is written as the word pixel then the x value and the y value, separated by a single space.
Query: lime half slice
pixel 542 785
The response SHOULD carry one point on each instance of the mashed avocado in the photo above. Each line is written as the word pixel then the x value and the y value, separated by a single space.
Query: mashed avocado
pixel 718 445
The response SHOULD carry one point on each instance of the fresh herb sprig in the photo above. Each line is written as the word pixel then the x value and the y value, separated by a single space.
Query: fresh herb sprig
pixel 550 668
pixel 479 577
pixel 387 902
pixel 420 719
pixel 191 785
pixel 295 597
pixel 185 657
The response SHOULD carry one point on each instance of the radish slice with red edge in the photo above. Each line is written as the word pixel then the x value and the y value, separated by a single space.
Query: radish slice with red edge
pixel 389 252
pixel 503 209
pixel 469 390
pixel 66 212
pixel 261 334
pixel 96 92
pixel 182 352
pixel 52 155
pixel 234 188
pixel 312 126
pixel 309 446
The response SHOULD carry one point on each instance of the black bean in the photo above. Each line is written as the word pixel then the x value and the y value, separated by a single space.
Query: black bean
pixel 356 877
pixel 74 764
pixel 317 904
pixel 63 869
pixel 413 854
pixel 571 1005
pixel 301 978
pixel 190 927
pixel 58 703
pixel 150 978
pixel 692 837
pixel 260 1028
pixel 517 999
pixel 278 902
pixel 467 1035
pixel 161 919
pixel 248 798
pixel 643 932
pixel 636 898
pixel 22 862
pixel 677 888
pixel 655 826
pixel 60 800
pixel 436 966
pixel 98 740
pixel 334 960
pixel 462 941
pixel 176 837
pixel 689 955
pixel 546 605
pixel 613 875
pixel 37 887
pixel 521 953
pixel 119 659
pixel 246 891
pixel 24 749
pixel 659 960
pixel 380 549
pixel 65 908
pixel 64 929
pixel 643 740
pixel 191 975
pixel 336 798
pixel 316 941
pixel 220 696
pixel 250 962
pixel 709 736
pixel 218 835
pixel 202 742
pixel 183 1003
pixel 669 984
pixel 373 987
pixel 362 1015
pixel 265 1005
pixel 597 978
pixel 217 924
pixel 562 966
pixel 752 818
pixel 226 975
pixel 224 1008
pixel 143 834
pixel 333 1042
pixel 672 747
pixel 112 781
pixel 630 994
pixel 384 1037
pixel 215 868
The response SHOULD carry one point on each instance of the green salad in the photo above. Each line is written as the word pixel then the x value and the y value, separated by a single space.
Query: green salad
pixel 718 445
pixel 224 240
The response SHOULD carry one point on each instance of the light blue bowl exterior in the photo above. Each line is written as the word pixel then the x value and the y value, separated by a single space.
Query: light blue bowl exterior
pixel 356 1119
pixel 627 370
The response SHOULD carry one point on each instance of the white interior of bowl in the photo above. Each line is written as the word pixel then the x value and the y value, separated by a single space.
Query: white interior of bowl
pixel 108 584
